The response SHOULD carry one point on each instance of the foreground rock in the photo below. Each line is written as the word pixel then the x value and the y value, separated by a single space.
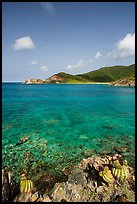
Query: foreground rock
pixel 85 185
pixel 95 179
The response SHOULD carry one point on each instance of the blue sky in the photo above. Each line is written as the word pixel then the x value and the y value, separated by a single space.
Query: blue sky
pixel 41 39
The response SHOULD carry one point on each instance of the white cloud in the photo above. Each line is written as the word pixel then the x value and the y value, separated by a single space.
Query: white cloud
pixel 44 68
pixel 34 62
pixel 48 6
pixel 124 48
pixel 23 43
pixel 96 56
pixel 81 63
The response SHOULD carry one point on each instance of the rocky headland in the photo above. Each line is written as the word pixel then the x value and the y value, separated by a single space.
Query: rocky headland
pixel 33 81
pixel 124 82
pixel 53 79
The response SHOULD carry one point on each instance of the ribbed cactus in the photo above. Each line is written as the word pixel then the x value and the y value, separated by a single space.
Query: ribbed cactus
pixel 107 175
pixel 116 164
pixel 25 184
pixel 119 171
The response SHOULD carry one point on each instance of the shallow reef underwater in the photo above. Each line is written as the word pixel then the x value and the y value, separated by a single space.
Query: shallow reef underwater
pixel 37 155
pixel 32 153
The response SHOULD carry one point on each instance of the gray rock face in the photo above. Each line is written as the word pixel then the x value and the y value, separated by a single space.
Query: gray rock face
pixel 85 185
pixel 32 197
pixel 70 193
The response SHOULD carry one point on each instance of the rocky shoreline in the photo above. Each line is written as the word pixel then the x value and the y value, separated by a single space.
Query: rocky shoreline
pixel 53 79
pixel 33 81
pixel 94 179
pixel 124 82
pixel 57 80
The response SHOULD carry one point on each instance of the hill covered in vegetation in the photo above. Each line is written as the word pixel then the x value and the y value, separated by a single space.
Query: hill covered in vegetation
pixel 109 74
pixel 104 74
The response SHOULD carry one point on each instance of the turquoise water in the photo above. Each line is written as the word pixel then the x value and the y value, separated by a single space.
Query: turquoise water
pixel 64 123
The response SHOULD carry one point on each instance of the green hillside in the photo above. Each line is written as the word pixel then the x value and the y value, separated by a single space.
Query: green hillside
pixel 68 78
pixel 104 74
pixel 109 74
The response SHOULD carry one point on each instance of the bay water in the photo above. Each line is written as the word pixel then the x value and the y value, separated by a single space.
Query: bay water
pixel 63 123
